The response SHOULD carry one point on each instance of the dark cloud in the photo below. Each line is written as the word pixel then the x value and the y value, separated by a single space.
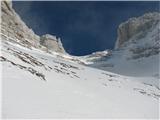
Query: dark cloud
pixel 84 27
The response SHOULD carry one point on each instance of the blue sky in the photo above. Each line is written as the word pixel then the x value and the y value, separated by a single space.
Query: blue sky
pixel 84 27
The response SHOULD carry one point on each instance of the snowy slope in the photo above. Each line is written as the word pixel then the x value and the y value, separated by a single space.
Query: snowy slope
pixel 41 85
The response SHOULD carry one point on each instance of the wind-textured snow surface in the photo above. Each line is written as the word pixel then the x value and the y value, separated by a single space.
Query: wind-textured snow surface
pixel 40 85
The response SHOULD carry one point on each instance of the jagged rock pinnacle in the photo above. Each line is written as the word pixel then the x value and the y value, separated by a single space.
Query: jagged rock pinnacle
pixel 52 43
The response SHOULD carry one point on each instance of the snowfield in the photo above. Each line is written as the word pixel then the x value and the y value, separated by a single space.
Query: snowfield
pixel 40 85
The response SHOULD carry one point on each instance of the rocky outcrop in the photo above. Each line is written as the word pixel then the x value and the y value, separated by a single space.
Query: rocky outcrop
pixel 12 26
pixel 137 49
pixel 14 29
pixel 52 43
pixel 136 27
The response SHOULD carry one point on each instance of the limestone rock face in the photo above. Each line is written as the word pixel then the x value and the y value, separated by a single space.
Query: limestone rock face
pixel 12 26
pixel 136 27
pixel 15 29
pixel 52 43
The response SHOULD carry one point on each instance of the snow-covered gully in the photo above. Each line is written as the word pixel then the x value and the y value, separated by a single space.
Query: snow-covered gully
pixel 41 80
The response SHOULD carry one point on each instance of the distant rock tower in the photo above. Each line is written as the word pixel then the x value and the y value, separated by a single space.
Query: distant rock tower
pixel 52 43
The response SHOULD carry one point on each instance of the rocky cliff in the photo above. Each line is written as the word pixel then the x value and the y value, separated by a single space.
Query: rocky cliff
pixel 52 43
pixel 137 38
pixel 137 50
pixel 136 27
pixel 13 27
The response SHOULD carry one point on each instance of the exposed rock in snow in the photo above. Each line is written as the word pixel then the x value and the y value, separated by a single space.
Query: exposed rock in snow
pixel 135 26
pixel 52 43
pixel 37 84
pixel 95 57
